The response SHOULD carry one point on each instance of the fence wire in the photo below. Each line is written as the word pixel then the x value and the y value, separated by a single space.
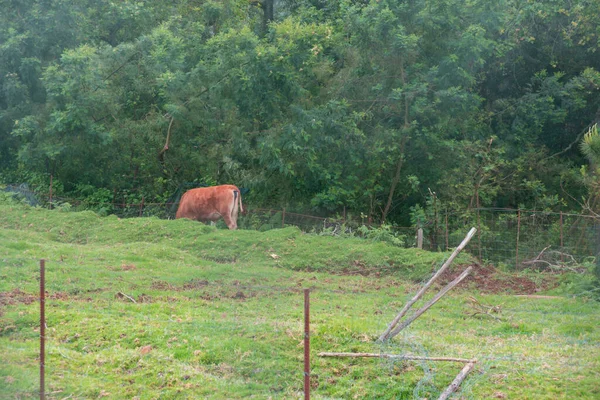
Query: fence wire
pixel 515 238
pixel 520 238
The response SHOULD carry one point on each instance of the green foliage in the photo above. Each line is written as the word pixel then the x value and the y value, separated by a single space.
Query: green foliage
pixel 590 147
pixel 384 233
pixel 358 105
pixel 96 199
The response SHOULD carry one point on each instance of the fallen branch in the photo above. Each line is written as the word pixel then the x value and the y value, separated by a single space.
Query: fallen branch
pixel 538 296
pixel 395 356
pixel 553 266
pixel 557 265
pixel 431 302
pixel 458 380
pixel 407 306
pixel 538 256
pixel 563 255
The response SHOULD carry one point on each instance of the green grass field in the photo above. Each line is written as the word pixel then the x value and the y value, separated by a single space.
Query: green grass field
pixel 146 308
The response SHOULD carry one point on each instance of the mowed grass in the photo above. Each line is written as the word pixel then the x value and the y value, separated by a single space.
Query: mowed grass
pixel 147 308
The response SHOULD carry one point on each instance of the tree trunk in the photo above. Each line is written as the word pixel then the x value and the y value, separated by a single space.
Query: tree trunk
pixel 406 126
pixel 395 180
pixel 268 13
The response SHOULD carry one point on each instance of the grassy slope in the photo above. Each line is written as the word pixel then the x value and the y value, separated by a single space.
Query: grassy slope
pixel 218 314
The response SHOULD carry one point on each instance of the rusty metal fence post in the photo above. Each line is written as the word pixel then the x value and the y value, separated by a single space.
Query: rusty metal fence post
pixel 42 327
pixel 307 344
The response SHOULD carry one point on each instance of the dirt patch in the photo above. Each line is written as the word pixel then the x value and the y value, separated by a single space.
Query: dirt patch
pixel 17 296
pixel 190 285
pixel 58 296
pixel 485 278
pixel 161 285
pixel 195 284
pixel 144 298
pixel 488 279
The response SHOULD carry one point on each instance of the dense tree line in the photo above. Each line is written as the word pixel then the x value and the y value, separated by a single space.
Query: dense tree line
pixel 378 107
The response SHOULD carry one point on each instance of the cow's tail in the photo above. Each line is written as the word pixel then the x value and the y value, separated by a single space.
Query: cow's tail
pixel 241 207
pixel 237 200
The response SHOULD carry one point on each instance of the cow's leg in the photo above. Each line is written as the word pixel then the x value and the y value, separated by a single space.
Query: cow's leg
pixel 231 223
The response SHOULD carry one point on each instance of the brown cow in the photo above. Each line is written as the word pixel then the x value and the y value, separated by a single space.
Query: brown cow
pixel 212 203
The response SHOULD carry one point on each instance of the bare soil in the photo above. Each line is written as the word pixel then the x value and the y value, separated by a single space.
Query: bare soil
pixel 487 279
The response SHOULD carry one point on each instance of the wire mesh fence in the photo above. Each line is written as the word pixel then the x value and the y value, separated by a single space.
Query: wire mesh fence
pixel 511 237
pixel 521 238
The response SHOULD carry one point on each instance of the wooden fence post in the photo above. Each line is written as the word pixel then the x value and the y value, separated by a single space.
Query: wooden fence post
pixel 142 206
pixel 518 234
pixel 51 192
pixel 446 230
pixel 561 238
pixel 420 238
pixel 479 231
pixel 434 244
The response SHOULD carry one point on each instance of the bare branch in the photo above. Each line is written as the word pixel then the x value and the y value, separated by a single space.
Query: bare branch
pixel 483 309
pixel 395 356
pixel 574 142
pixel 121 295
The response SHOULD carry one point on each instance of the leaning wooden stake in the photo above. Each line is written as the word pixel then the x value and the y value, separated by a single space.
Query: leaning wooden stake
pixel 458 380
pixel 386 335
pixel 394 356
pixel 430 303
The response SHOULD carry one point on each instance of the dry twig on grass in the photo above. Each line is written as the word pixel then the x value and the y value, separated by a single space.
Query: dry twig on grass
pixel 484 309
pixel 123 295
